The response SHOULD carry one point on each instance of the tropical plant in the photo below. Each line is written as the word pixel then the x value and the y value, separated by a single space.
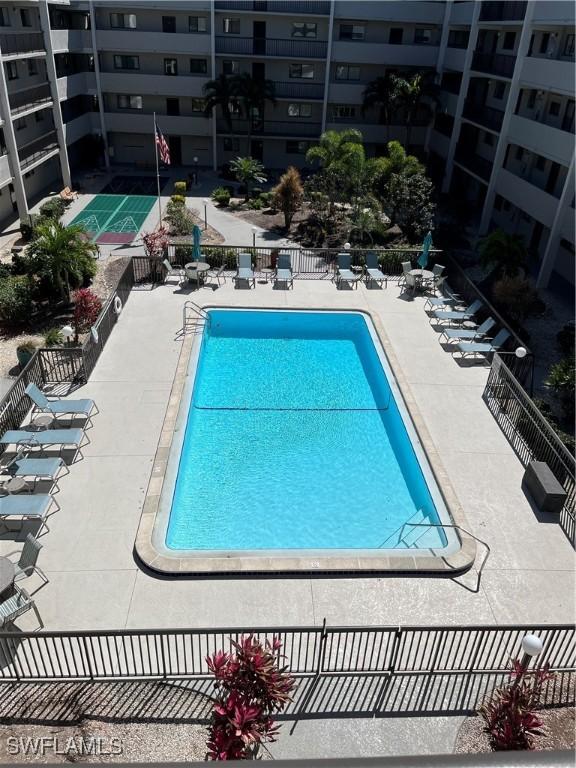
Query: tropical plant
pixel 53 338
pixel 180 188
pixel 510 713
pixel 383 92
pixel 252 94
pixel 156 243
pixel 15 300
pixel 516 297
pixel 503 253
pixel 248 171
pixel 53 208
pixel 288 194
pixel 87 307
pixel 61 256
pixel 565 339
pixel 178 216
pixel 409 203
pixel 336 149
pixel 221 93
pixel 364 220
pixel 416 96
pixel 221 196
pixel 561 378
pixel 250 687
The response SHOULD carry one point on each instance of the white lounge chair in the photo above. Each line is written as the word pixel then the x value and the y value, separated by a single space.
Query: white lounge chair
pixel 60 406
pixel 373 272
pixel 174 271
pixel 454 317
pixel 465 334
pixel 344 273
pixel 245 271
pixel 283 272
pixel 483 348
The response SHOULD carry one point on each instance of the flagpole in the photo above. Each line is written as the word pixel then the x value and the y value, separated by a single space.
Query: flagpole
pixel 157 171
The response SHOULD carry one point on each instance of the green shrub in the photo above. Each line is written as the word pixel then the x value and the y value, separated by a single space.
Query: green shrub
pixel 217 256
pixel 15 300
pixel 53 338
pixel 27 228
pixel 179 218
pixel 178 200
pixel 565 340
pixel 561 379
pixel 391 261
pixel 53 208
pixel 266 199
pixel 180 188
pixel 255 204
pixel 221 196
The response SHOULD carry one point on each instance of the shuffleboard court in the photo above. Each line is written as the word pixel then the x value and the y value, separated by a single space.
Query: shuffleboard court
pixel 115 218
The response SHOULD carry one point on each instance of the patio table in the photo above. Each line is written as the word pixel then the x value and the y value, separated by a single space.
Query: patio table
pixel 422 276
pixel 195 270
pixel 7 573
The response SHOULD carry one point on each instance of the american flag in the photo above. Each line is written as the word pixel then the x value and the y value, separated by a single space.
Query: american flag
pixel 163 147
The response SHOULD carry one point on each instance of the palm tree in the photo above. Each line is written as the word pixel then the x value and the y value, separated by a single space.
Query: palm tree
pixel 248 171
pixel 419 94
pixel 252 94
pixel 336 148
pixel 506 254
pixel 382 92
pixel 62 255
pixel 222 93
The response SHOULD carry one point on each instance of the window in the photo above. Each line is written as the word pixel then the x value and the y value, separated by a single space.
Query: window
pixel 198 105
pixel 231 145
pixel 395 36
pixel 568 46
pixel 25 17
pixel 128 102
pixel 296 147
pixel 544 40
pixel 509 41
pixel 554 108
pixel 32 67
pixel 299 110
pixel 4 17
pixel 197 24
pixel 540 162
pixel 168 23
pixel 20 123
pixel 347 72
pixel 170 66
pixel 488 139
pixel 458 38
pixel 499 89
pixel 198 66
pixel 302 71
pixel 230 67
pixel 519 153
pixel 303 29
pixel 39 116
pixel 231 26
pixel 126 62
pixel 343 111
pixel 234 107
pixel 12 70
pixel 172 106
pixel 352 31
pixel 423 36
pixel 123 20
pixel 531 100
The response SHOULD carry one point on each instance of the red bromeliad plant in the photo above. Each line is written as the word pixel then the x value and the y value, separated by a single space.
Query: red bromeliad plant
pixel 250 687
pixel 87 307
pixel 155 243
pixel 510 713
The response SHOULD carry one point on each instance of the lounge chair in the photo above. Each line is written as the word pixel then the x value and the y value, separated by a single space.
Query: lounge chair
pixel 26 564
pixel 483 348
pixel 174 271
pixel 343 271
pixel 28 507
pixel 446 300
pixel 463 334
pixel 452 316
pixel 16 605
pixel 46 438
pixel 37 470
pixel 373 272
pixel 245 271
pixel 61 406
pixel 283 272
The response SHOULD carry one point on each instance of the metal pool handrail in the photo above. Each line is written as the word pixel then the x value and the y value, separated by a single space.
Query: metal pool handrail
pixel 197 310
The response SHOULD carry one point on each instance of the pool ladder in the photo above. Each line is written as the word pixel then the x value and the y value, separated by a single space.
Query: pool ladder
pixel 191 314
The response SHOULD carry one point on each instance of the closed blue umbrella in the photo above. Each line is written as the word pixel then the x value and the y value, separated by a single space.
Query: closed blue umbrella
pixel 426 245
pixel 196 234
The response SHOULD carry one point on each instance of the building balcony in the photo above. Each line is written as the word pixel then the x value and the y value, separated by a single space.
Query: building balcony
pixel 152 41
pixel 5 172
pixel 292 129
pixel 529 198
pixel 291 7
pixel 377 133
pixel 298 90
pixel 542 139
pixel 141 121
pixel 567 226
pixel 141 84
pixel 358 52
pixel 80 126
pixel 503 11
pixel 494 63
pixel 30 99
pixel 38 151
pixel 479 166
pixel 454 59
pixel 439 143
pixel 487 117
pixel 31 43
pixel 544 74
pixel 76 85
pixel 249 46
pixel 417 13
pixel 64 40
pixel 554 12
pixel 461 14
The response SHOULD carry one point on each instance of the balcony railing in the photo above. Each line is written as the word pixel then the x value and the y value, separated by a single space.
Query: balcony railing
pixel 483 115
pixel 317 7
pixel 297 90
pixel 45 145
pixel 494 63
pixel 249 46
pixel 31 97
pixel 479 166
pixel 503 11
pixel 31 42
pixel 290 128
pixel 534 178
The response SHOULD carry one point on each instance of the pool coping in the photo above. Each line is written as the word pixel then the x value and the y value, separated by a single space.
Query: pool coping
pixel 452 564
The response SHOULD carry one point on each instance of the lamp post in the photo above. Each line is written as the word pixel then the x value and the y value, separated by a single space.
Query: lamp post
pixel 205 201
pixel 532 646
pixel 67 331
pixel 347 246
pixel 254 230
pixel 520 353
pixel 195 161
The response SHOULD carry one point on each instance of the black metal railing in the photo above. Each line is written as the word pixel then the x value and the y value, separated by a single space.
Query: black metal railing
pixel 479 166
pixel 506 10
pixel 494 63
pixel 31 97
pixel 250 46
pixel 529 433
pixel 483 115
pixel 317 7
pixel 308 651
pixel 32 152
pixel 31 42
pixel 288 127
pixel 299 90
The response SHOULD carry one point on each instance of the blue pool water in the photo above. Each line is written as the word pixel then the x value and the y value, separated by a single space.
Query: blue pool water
pixel 293 440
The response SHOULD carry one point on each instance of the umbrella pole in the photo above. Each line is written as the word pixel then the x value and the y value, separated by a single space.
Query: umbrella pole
pixel 157 173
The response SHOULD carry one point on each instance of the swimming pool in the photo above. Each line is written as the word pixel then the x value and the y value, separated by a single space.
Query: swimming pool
pixel 292 436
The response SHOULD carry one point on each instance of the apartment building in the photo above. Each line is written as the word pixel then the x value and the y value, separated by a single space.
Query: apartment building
pixel 81 80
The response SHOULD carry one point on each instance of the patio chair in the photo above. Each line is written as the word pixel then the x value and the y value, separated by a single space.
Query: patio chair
pixel 47 438
pixel 60 406
pixel 217 274
pixel 437 278
pixel 453 316
pixel 174 271
pixel 283 272
pixel 343 271
pixel 446 299
pixel 411 283
pixel 26 564
pixel 17 604
pixel 28 507
pixel 38 470
pixel 373 272
pixel 483 348
pixel 406 267
pixel 245 271
pixel 455 334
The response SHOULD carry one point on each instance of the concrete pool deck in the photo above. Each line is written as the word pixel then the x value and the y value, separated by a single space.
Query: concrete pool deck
pixel 95 582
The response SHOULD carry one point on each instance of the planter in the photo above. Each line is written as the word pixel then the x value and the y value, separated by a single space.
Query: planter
pixel 24 355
